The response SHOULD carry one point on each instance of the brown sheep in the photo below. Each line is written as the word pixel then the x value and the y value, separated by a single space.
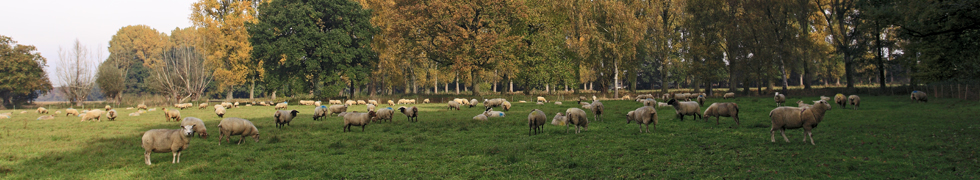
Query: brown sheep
pixel 793 118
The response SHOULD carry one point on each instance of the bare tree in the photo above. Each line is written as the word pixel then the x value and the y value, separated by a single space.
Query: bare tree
pixel 182 74
pixel 75 70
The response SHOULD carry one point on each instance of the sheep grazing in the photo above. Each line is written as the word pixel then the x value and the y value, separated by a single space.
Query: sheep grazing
pixel 134 114
pixel 643 116
pixel 854 100
pixel 141 106
pixel 235 104
pixel 375 103
pixel 425 101
pixel 491 102
pixel 535 121
pixel 281 106
pixel 522 101
pixel 649 102
pixel 334 102
pixel 237 126
pixel 506 105
pixel 793 118
pixel 919 96
pixel 361 102
pixel 166 140
pixel 220 111
pixel 358 119
pixel 320 112
pixel 729 95
pixel 626 97
pixel 111 115
pixel 350 102
pixel 228 105
pixel 93 114
pixel 684 96
pixel 453 105
pixel 578 118
pixel 42 110
pixel 337 109
pixel 202 106
pixel 480 117
pixel 584 103
pixel 473 102
pixel 780 99
pixel 558 103
pixel 686 108
pixel 841 100
pixel 317 103
pixel 391 103
pixel 171 114
pixel 726 109
pixel 559 120
pixel 542 99
pixel 283 117
pixel 411 112
pixel 305 102
pixel 385 113
pixel 597 109
pixel 825 98
pixel 199 128
pixel 802 104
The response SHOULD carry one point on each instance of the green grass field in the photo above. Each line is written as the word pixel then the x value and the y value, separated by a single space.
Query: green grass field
pixel 888 137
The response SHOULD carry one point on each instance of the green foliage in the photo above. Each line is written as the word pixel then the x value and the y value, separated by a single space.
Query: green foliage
pixel 22 76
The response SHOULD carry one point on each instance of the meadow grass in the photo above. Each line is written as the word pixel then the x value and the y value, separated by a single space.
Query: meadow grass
pixel 888 137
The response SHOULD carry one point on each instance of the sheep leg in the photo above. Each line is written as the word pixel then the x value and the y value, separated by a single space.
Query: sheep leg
pixel 772 134
pixel 146 156
pixel 811 137
pixel 783 131
pixel 178 156
pixel 362 127
pixel 240 140
pixel 175 158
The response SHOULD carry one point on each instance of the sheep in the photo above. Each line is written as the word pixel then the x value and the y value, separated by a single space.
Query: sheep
pixel 594 98
pixel 320 112
pixel 134 114
pixel 649 102
pixel 425 101
pixel 854 100
pixel 522 101
pixel 542 99
pixel 361 102
pixel 577 117
pixel 802 104
pixel 793 118
pixel 780 99
pixel 317 103
pixel 282 106
pixel 141 106
pixel 597 109
pixel 491 102
pixel 166 140
pixel 283 117
pixel 919 96
pixel 626 97
pixel 825 98
pixel 462 101
pixel 375 103
pixel 370 107
pixel 227 105
pixel 480 117
pixel 111 115
pixel 305 102
pixel 411 112
pixel 684 96
pixel 453 105
pixel 220 111
pixel 202 106
pixel 643 116
pixel 4 116
pixel 342 114
pixel 726 109
pixel 841 100
pixel 584 103
pixel 199 128
pixel 45 117
pixel 337 109
pixel 334 102
pixel 729 95
pixel 491 113
pixel 643 96
pixel 237 126
pixel 57 112
pixel 391 103
pixel 581 98
pixel 701 100
pixel 411 101
pixel 473 102
pixel 93 114
pixel 559 120
pixel 540 103
pixel 558 103
pixel 171 114
pixel 41 110
pixel 535 121
pixel 667 96
pixel 235 104
pixel 506 105
pixel 152 109
pixel 686 108
pixel 385 113
pixel 358 119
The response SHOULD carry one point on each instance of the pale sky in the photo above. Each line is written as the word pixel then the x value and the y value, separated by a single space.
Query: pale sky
pixel 48 24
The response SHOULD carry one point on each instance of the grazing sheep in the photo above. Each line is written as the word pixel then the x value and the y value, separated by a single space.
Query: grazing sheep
pixel 425 101
pixel 649 102
pixel 841 100
pixel 317 103
pixel 686 108
pixel 141 106
pixel 535 121
pixel 305 102
pixel 780 99
pixel 506 105
pixel 283 117
pixel 540 99
pixel 597 109
pixel 220 111
pixel 701 100
pixel 559 120
pixel 391 103
pixel 825 98
pixel 729 95
pixel 578 118
pixel 320 112
pixel 385 113
pixel 626 97
pixel 166 140
pixel 202 106
pixel 45 117
pixel 171 114
pixel 134 114
pixel 373 102
pixel 93 114
pixel 237 126
pixel 235 104
pixel 411 101
pixel 581 98
pixel 111 115
pixel 342 114
pixel 558 103
pixel 522 101
pixel 584 103
pixel 684 96
pixel 462 101
pixel 42 110
pixel 57 112
pixel 491 102
pixel 480 117
pixel 227 105
pixel 643 116
pixel 199 128
pixel 337 109
pixel 453 105
pixel 282 106
pixel 358 119
pixel 726 109
pixel 370 107
pixel 802 104
pixel 644 96
pixel 334 102
pixel 411 112
pixel 854 100
pixel 793 118
pixel 4 116
pixel 473 102
pixel 350 102
pixel 919 96
pixel 361 102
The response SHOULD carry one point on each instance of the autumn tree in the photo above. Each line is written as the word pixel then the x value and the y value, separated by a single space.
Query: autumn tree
pixel 226 41
pixel 843 19
pixel 22 76
pixel 130 49
pixel 75 71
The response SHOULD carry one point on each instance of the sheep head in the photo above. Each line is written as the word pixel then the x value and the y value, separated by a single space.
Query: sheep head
pixel 188 130
pixel 294 112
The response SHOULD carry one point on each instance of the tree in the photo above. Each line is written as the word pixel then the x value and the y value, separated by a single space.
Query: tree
pixel 940 39
pixel 75 70
pixel 226 41
pixel 843 20
pixel 181 73
pixel 111 81
pixel 22 76
pixel 129 50
pixel 317 41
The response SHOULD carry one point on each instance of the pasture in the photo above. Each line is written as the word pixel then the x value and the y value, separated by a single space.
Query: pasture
pixel 887 137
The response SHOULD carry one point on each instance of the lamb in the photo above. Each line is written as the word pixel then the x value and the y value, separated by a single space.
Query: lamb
pixel 577 117
pixel 385 113
pixel 480 117
pixel 237 126
pixel 111 115
pixel 535 121
pixel 780 99
pixel 411 112
pixel 840 100
pixel 166 140
pixel 686 108
pixel 542 99
pixel 559 120
pixel 141 106
pixel 597 108
pixel 453 105
pixel 220 111
pixel 425 101
pixel 199 127
pixel 42 110
pixel 643 116
pixel 337 109
pixel 320 112
pixel 282 106
pixel 854 100
pixel 171 114
pixel 93 114
pixel 701 100
pixel 202 106
pixel 793 118
pixel 919 96
pixel 729 95
pixel 726 109
pixel 283 117
pixel 506 105
pixel 358 119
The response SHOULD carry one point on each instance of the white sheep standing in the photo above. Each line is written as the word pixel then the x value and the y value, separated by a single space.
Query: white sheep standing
pixel 472 102
pixel 199 127
pixel 825 98
pixel 385 113
pixel 220 111
pixel 281 105
pixel 793 118
pixel 540 99
pixel 686 108
pixel 726 109
pixel 506 105
pixel 597 109
pixel 854 100
pixel 578 118
pixel 643 116
pixel 780 99
pixel 425 101
pixel 337 109
pixel 171 114
pixel 453 105
pixel 283 117
pixel 42 110
pixel 841 100
pixel 729 95
pixel 535 121
pixel 237 126
pixel 358 119
pixel 111 115
pixel 93 114
pixel 411 112
pixel 166 140
pixel 202 106
pixel 141 106
pixel 320 112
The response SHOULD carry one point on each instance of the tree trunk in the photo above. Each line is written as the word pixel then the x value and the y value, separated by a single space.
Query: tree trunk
pixel 616 79
pixel 782 68
pixel 546 88
pixel 274 94
pixel 849 71
pixel 475 81
pixel 457 84
pixel 511 85
pixel 251 91
pixel 435 85
pixel 231 90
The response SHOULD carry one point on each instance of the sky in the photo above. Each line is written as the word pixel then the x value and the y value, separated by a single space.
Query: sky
pixel 50 24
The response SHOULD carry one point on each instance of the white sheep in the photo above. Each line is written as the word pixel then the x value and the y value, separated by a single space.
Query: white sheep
pixel 480 117
pixel 282 105
pixel 472 102
pixel 825 98
pixel 701 99
pixel 425 101
pixel 317 103
pixel 320 112
pixel 540 99
pixel 334 102
pixel 540 103
pixel 491 113
pixel 643 96
pixel 370 107
pixel 506 105
pixel 373 102
pixel 535 121
pixel 220 111
pixel 93 114
pixel 841 100
pixel 141 106
pixel 726 109
pixel 643 116
pixel 793 118
pixel 559 120
pixel 854 100
pixel 385 113
pixel 558 103
pixel 649 102
pixel 111 115
pixel 342 114
pixel 578 118
pixel 779 98
pixel 919 96
pixel 42 110
pixel 522 101
pixel 166 140
pixel 198 124
pixel 202 106
pixel 134 114
pixel 597 109
pixel 729 95
pixel 358 119
pixel 337 109
pixel 686 108
pixel 283 117
pixel 391 103
pixel 453 105
pixel 45 117
pixel 237 126
pixel 802 104
pixel 411 112
pixel 361 102
pixel 171 114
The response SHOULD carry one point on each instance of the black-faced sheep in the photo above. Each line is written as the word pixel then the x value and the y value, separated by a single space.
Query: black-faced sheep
pixel 919 96
pixel 643 116
pixel 718 110
pixel 793 118
pixel 854 100
pixel 166 140
pixel 411 112
pixel 237 126
pixel 199 127
pixel 283 117
pixel 358 119
pixel 535 121
pixel 686 108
